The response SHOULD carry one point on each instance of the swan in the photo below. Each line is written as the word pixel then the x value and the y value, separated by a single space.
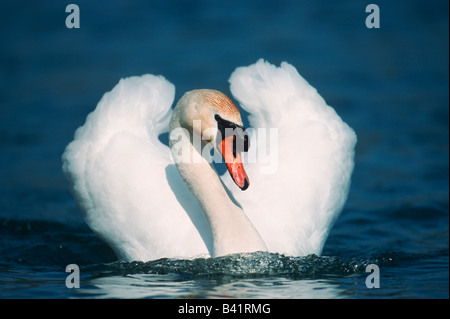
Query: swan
pixel 147 200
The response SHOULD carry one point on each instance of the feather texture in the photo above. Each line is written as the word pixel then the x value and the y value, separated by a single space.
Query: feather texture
pixel 131 195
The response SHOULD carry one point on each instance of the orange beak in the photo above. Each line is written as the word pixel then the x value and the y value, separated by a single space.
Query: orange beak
pixel 233 161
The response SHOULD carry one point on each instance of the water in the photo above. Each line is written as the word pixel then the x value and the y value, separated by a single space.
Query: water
pixel 389 84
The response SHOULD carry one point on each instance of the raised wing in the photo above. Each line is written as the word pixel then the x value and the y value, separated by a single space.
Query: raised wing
pixel 123 178
pixel 298 190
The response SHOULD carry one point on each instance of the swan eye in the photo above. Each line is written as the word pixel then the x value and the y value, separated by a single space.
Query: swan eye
pixel 226 127
pixel 246 142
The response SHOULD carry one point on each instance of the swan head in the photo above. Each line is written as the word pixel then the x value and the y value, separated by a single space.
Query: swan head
pixel 219 124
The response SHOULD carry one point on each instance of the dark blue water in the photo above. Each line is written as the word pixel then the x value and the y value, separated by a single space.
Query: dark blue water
pixel 390 84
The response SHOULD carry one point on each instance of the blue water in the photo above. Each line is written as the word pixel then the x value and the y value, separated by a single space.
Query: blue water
pixel 390 84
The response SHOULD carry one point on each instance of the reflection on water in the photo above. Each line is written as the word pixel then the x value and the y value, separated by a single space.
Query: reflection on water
pixel 170 286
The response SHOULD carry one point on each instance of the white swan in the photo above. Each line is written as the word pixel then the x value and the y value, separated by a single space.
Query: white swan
pixel 133 196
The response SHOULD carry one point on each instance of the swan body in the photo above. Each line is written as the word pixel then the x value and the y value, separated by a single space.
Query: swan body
pixel 146 202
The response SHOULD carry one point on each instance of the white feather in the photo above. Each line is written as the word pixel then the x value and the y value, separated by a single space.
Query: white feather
pixel 132 196
pixel 295 207
pixel 123 178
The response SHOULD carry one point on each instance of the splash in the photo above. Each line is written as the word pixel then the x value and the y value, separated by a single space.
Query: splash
pixel 247 265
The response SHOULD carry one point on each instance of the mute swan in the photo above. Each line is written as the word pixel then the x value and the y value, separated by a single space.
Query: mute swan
pixel 146 202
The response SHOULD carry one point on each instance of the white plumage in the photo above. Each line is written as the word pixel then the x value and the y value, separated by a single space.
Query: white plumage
pixel 132 196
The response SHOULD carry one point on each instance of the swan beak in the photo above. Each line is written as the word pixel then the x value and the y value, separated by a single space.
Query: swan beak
pixel 233 161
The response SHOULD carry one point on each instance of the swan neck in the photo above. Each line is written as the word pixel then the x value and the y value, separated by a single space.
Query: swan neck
pixel 231 229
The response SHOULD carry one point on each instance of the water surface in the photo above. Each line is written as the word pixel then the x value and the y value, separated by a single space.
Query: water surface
pixel 389 84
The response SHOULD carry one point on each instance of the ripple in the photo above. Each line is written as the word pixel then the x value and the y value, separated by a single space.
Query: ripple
pixel 250 265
